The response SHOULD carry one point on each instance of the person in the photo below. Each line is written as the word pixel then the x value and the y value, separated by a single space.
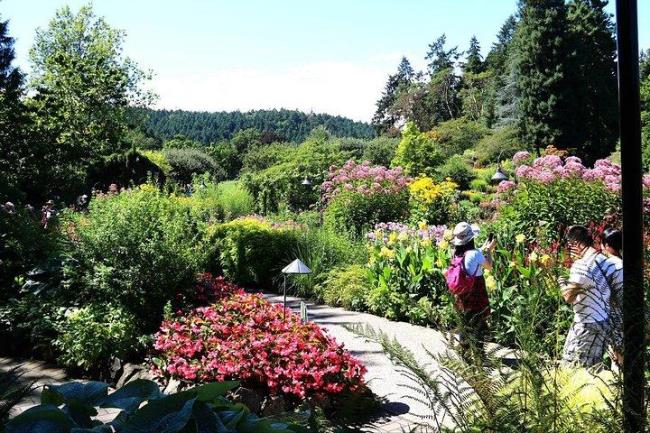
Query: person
pixel 611 245
pixel 587 291
pixel 466 281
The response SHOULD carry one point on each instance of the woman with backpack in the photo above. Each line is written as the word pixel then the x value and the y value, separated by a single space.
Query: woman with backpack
pixel 466 282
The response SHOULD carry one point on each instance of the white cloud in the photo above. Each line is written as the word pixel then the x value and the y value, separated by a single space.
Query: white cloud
pixel 346 88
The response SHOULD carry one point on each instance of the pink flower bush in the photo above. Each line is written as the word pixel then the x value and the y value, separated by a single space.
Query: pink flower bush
pixel 521 157
pixel 551 168
pixel 364 179
pixel 506 185
pixel 246 338
pixel 383 232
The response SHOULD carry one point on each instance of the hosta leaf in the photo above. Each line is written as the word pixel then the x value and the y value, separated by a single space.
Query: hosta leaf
pixel 90 393
pixel 166 415
pixel 131 395
pixel 44 418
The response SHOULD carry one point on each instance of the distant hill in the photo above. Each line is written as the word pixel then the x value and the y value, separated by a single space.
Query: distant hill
pixel 289 125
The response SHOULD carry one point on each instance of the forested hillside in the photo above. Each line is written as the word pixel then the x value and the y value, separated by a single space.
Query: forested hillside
pixel 289 125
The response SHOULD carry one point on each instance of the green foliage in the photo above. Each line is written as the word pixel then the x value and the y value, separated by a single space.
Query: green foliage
pixel 354 213
pixel 380 151
pixel 458 169
pixel 250 251
pixel 385 118
pixel 180 142
pixel 417 152
pixel 346 287
pixel 90 336
pixel 289 125
pixel 83 86
pixel 187 163
pixel 137 249
pixel 645 118
pixel 124 169
pixel 234 199
pixel 322 250
pixel 457 135
pixel 69 408
pixel 280 185
pixel 561 203
pixel 500 145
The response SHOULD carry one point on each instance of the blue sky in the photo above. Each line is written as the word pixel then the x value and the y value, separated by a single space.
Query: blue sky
pixel 327 56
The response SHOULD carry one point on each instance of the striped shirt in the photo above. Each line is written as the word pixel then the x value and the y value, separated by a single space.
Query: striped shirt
pixel 592 303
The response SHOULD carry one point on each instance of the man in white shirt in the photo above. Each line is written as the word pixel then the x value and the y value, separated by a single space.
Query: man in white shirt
pixel 588 291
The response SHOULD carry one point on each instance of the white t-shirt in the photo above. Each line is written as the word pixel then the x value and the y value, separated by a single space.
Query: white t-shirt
pixel 474 260
pixel 592 305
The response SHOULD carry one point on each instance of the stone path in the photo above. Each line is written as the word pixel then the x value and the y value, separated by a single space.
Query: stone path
pixel 400 411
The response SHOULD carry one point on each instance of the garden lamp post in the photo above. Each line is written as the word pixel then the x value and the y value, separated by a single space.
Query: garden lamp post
pixel 498 176
pixel 297 267
pixel 306 181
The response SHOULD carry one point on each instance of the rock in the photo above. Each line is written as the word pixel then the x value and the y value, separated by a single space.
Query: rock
pixel 128 371
pixel 131 372
pixel 172 386
pixel 248 397
pixel 274 405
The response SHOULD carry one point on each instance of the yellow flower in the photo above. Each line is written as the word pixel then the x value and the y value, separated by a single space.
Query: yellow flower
pixel 520 238
pixel 402 236
pixel 512 263
pixel 448 235
pixel 392 238
pixel 545 259
pixel 426 243
pixel 379 234
pixel 422 225
pixel 443 244
pixel 533 257
pixel 408 249
pixel 490 282
pixel 387 252
pixel 439 263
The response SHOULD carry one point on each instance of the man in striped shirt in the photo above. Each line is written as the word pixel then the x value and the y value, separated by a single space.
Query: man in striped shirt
pixel 588 291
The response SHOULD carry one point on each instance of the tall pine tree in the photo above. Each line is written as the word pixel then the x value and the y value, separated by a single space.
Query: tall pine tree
pixel 384 119
pixel 473 59
pixel 541 56
pixel 592 80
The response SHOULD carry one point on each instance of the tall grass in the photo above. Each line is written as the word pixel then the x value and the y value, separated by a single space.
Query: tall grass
pixel 235 199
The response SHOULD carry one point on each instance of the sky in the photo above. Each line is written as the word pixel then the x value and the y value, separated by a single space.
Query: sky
pixel 325 56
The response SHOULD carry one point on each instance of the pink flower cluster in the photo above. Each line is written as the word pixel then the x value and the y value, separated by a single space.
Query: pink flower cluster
pixel 246 338
pixel 520 157
pixel 551 168
pixel 364 179
pixel 505 186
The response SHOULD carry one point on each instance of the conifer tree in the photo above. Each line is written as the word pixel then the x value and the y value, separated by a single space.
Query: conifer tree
pixel 541 55
pixel 592 80
pixel 473 59
pixel 384 119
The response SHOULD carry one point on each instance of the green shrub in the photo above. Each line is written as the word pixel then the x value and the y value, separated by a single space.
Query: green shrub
pixel 380 150
pixel 235 200
pixel 250 251
pixel 24 243
pixel 187 163
pixel 137 249
pixel 457 169
pixel 280 185
pixel 457 135
pixel 90 336
pixel 560 203
pixel 321 250
pixel 418 152
pixel 346 287
pixel 502 144
pixel 479 185
pixel 353 213
pixel 124 169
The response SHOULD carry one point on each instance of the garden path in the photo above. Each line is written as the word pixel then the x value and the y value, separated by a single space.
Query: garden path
pixel 400 411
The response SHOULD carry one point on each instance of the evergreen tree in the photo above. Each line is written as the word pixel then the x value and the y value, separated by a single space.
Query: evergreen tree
pixel 644 64
pixel 439 58
pixel 592 80
pixel 502 99
pixel 541 55
pixel 385 119
pixel 473 59
pixel 497 58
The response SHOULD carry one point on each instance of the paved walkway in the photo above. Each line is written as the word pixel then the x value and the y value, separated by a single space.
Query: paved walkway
pixel 401 411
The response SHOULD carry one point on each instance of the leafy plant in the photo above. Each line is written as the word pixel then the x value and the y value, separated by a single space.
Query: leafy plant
pixel 70 408
pixel 186 163
pixel 345 286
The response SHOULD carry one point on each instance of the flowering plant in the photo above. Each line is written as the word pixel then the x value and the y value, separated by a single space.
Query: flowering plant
pixel 364 179
pixel 405 269
pixel 207 290
pixel 245 337
pixel 430 201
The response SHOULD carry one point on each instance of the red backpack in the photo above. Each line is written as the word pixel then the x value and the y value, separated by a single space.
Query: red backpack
pixel 458 280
